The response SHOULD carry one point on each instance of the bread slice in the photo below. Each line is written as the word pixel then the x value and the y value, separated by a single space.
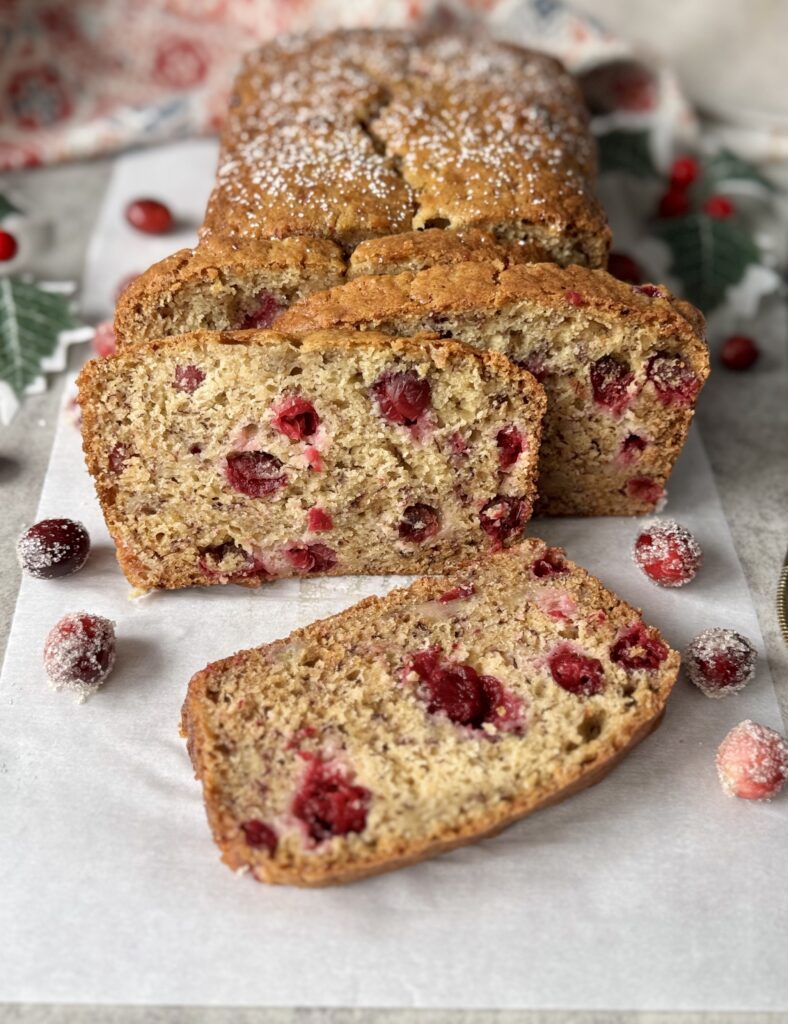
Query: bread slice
pixel 411 724
pixel 622 366
pixel 242 457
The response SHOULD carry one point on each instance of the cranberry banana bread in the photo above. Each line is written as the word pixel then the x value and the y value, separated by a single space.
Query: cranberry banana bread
pixel 622 366
pixel 241 457
pixel 424 720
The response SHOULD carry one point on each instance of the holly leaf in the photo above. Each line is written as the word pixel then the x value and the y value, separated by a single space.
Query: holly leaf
pixel 627 151
pixel 30 324
pixel 725 167
pixel 6 207
pixel 708 255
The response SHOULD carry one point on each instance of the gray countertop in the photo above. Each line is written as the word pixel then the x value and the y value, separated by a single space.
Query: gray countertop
pixel 744 424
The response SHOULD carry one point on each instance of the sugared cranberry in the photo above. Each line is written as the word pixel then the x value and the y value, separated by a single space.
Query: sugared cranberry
pixel 667 553
pixel 104 342
pixel 259 835
pixel 631 448
pixel 624 268
pixel 79 652
pixel 610 382
pixel 8 246
pixel 752 762
pixel 149 216
pixel 419 523
pixel 675 382
pixel 575 672
pixel 738 352
pixel 188 378
pixel 683 172
pixel 720 661
pixel 329 803
pixel 319 521
pixel 311 557
pixel 575 298
pixel 510 446
pixel 638 647
pixel 503 517
pixel 674 203
pixel 53 548
pixel 263 315
pixel 118 457
pixel 652 291
pixel 646 490
pixel 256 474
pixel 457 690
pixel 459 593
pixel 719 207
pixel 550 563
pixel 295 418
pixel 402 397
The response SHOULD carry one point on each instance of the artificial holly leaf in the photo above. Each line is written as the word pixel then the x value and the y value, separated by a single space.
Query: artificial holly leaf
pixel 30 323
pixel 725 167
pixel 6 207
pixel 627 151
pixel 708 255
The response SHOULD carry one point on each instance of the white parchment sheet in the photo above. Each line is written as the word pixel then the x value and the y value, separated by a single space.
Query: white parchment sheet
pixel 650 891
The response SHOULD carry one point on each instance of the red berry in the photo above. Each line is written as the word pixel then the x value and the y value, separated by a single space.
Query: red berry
pixel 653 291
pixel 644 489
pixel 610 382
pixel 739 352
pixel 460 593
pixel 503 517
pixel 319 521
pixel 683 172
pixel 674 203
pixel 79 652
pixel 259 835
pixel 53 548
pixel 510 446
pixel 311 557
pixel 675 382
pixel 668 553
pixel 419 523
pixel 631 448
pixel 8 246
pixel 188 378
pixel 254 473
pixel 329 803
pixel 402 397
pixel 149 216
pixel 638 647
pixel 720 661
pixel 104 343
pixel 719 207
pixel 263 315
pixel 624 268
pixel 752 762
pixel 575 672
pixel 295 418
pixel 314 459
pixel 550 563
pixel 118 457
pixel 575 298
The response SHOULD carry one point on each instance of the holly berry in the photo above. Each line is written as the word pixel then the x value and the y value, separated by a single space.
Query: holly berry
pixel 738 352
pixel 149 216
pixel 8 246
pixel 53 548
pixel 683 172
pixel 719 207
pixel 674 203
pixel 667 553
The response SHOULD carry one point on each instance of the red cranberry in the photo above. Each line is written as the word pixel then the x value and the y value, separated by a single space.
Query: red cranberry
pixel 610 382
pixel 503 517
pixel 675 382
pixel 653 291
pixel 631 448
pixel 674 203
pixel 719 207
pixel 319 521
pixel 720 661
pixel 644 489
pixel 638 648
pixel 457 690
pixel 149 216
pixel 53 548
pixel 575 298
pixel 460 593
pixel 419 523
pixel 117 458
pixel 575 672
pixel 624 268
pixel 752 762
pixel 259 835
pixel 329 803
pixel 311 557
pixel 550 563
pixel 683 172
pixel 402 397
pixel 104 342
pixel 188 378
pixel 79 652
pixel 738 352
pixel 314 459
pixel 510 446
pixel 295 418
pixel 264 313
pixel 8 246
pixel 254 473
pixel 668 553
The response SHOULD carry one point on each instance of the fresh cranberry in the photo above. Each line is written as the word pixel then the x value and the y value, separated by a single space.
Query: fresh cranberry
pixel 624 268
pixel 652 291
pixel 259 835
pixel 8 246
pixel 674 203
pixel 264 313
pixel 720 661
pixel 402 397
pixel 329 803
pixel 575 672
pixel 644 489
pixel 254 473
pixel 460 593
pixel 311 557
pixel 610 382
pixel 675 382
pixel 683 172
pixel 719 207
pixel 419 523
pixel 149 216
pixel 457 690
pixel 752 762
pixel 295 418
pixel 53 548
pixel 739 352
pixel 188 378
pixel 638 648
pixel 118 457
pixel 575 298
pixel 319 521
pixel 503 517
pixel 668 553
pixel 631 447
pixel 79 651
pixel 510 446
pixel 550 563
pixel 104 342
pixel 534 364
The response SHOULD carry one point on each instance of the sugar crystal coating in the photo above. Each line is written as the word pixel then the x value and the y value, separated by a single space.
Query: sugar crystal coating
pixel 79 653
pixel 752 761
pixel 720 661
pixel 667 553
pixel 53 548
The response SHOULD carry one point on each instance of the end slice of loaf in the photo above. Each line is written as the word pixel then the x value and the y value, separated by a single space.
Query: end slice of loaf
pixel 243 457
pixel 424 720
